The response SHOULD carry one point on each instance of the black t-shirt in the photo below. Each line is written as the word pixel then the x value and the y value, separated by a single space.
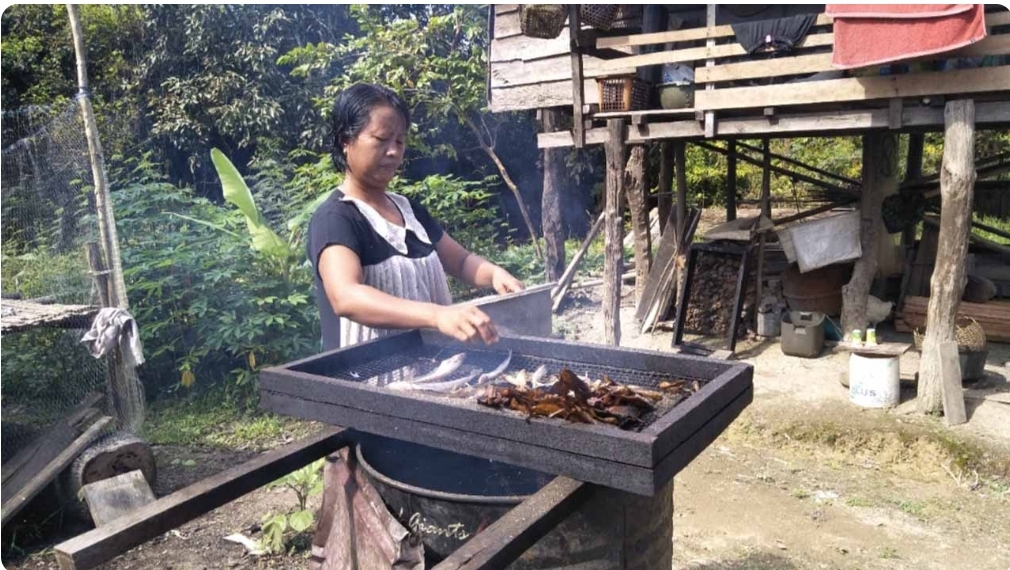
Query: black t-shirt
pixel 340 222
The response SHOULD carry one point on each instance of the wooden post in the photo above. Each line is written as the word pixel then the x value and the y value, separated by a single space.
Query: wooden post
pixel 634 186
pixel 766 180
pixel 127 390
pixel 681 166
pixel 857 290
pixel 710 18
pixel 665 189
pixel 550 211
pixel 613 264
pixel 957 179
pixel 574 27
pixel 890 262
pixel 731 182
pixel 913 170
pixel 948 362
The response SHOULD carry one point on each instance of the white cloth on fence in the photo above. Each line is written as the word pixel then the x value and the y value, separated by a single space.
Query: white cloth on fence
pixel 113 326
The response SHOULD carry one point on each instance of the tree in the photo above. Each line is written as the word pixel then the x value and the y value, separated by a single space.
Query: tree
pixel 436 59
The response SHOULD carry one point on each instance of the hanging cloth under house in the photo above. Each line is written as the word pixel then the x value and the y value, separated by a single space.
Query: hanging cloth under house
pixel 780 34
pixel 877 34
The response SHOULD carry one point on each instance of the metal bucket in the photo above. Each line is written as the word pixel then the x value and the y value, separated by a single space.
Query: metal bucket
pixel 588 539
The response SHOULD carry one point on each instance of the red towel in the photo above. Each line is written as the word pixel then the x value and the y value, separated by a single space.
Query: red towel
pixel 903 33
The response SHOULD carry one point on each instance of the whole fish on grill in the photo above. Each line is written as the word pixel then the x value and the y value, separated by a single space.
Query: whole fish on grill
pixel 442 371
pixel 439 387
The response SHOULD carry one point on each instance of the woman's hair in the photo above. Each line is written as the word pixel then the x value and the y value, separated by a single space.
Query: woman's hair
pixel 350 114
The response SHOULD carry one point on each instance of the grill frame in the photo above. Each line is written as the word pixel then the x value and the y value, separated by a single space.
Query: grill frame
pixel 640 462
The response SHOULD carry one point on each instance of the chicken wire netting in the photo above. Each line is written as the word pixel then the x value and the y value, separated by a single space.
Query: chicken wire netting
pixel 47 219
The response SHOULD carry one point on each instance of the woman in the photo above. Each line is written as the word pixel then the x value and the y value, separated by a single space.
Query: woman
pixel 381 263
pixel 381 260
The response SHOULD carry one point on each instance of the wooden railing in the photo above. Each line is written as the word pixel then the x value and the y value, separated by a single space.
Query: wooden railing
pixel 724 63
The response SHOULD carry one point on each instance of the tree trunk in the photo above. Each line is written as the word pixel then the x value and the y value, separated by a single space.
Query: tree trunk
pixel 550 210
pixel 634 185
pixel 731 182
pixel 681 168
pixel 855 293
pixel 613 263
pixel 890 262
pixel 665 188
pixel 957 180
pixel 490 151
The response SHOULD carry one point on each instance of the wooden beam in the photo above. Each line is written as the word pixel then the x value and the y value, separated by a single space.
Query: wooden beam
pixel 558 294
pixel 634 181
pixel 665 187
pixel 13 504
pixel 957 181
pixel 948 362
pixel 102 544
pixel 506 539
pixel 709 63
pixel 805 166
pixel 785 172
pixel 680 170
pixel 961 82
pixel 821 62
pixel 813 212
pixel 578 86
pixel 731 181
pixel 707 52
pixel 691 34
pixel 613 263
pixel 551 211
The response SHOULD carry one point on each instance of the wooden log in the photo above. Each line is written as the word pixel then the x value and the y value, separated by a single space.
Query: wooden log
pixel 949 364
pixel 665 187
pixel 578 85
pixel 634 184
pixel 826 186
pixel 681 172
pixel 794 162
pixel 550 205
pixel 731 182
pixel 558 294
pixel 33 458
pixel 14 503
pixel 101 544
pixel 957 179
pixel 977 240
pixel 889 258
pixel 812 212
pixel 613 263
pixel 857 290
pixel 506 539
pixel 117 496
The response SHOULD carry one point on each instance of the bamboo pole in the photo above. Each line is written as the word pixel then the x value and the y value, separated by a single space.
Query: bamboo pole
pixel 126 388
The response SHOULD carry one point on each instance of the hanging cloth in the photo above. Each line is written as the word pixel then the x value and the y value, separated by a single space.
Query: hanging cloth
pixel 876 34
pixel 779 34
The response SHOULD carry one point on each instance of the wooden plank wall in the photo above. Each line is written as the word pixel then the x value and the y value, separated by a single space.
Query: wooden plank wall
pixel 532 73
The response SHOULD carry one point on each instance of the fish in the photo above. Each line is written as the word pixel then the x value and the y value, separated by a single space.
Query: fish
pixel 444 369
pixel 489 376
pixel 520 379
pixel 447 386
pixel 538 375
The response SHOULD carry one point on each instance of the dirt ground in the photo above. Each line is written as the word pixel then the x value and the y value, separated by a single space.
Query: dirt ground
pixel 802 480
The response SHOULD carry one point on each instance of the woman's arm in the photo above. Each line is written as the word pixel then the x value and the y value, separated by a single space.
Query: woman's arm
pixel 341 275
pixel 473 269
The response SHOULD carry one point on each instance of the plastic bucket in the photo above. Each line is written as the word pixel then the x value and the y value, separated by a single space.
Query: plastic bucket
pixel 874 381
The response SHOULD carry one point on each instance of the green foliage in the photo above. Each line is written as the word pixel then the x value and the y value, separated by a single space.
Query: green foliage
pixel 264 240
pixel 209 306
pixel 1002 224
pixel 305 482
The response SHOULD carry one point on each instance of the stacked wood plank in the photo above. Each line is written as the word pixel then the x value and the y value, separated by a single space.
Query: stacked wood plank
pixel 994 316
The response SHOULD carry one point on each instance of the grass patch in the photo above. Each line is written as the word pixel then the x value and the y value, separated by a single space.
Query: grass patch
pixel 888 553
pixel 914 508
pixel 214 420
pixel 859 502
pixel 800 494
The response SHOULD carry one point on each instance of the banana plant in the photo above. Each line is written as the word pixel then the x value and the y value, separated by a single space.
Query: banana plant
pixel 264 240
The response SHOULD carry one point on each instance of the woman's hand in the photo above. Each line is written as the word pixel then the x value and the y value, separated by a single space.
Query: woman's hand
pixel 465 323
pixel 503 282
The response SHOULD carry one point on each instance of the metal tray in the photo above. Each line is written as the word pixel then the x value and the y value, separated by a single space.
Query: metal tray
pixel 344 387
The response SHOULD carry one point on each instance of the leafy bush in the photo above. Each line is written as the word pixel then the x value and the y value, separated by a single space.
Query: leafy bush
pixel 208 305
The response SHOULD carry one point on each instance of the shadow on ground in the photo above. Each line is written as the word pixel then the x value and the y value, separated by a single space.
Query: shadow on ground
pixel 753 561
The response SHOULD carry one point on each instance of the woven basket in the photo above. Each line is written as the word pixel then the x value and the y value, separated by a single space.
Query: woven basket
pixel 622 94
pixel 599 16
pixel 627 17
pixel 545 21
pixel 970 336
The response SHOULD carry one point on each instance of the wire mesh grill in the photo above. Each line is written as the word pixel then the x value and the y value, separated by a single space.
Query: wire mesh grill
pixel 49 216
pixel 413 361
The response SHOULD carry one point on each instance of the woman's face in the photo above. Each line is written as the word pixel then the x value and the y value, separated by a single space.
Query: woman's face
pixel 374 156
